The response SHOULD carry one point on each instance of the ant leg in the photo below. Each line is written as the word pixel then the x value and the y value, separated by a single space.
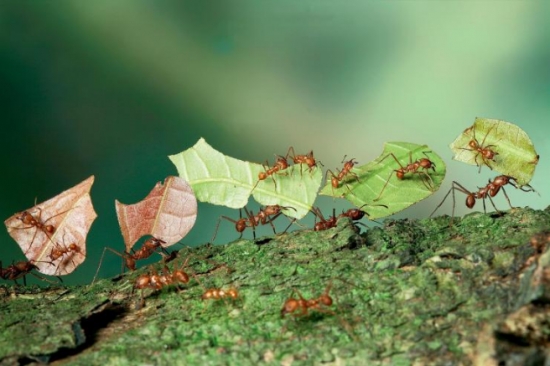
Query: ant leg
pixel 383 188
pixel 507 198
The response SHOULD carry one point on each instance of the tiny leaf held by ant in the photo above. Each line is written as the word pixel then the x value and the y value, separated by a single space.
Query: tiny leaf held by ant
pixel 222 180
pixel 499 145
pixel 404 174
pixel 52 234
pixel 167 213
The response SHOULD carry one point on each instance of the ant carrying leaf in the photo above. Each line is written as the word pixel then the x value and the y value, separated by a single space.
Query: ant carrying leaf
pixel 43 230
pixel 404 174
pixel 223 180
pixel 502 146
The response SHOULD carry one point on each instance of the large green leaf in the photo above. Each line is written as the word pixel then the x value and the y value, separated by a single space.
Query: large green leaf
pixel 367 181
pixel 516 155
pixel 222 180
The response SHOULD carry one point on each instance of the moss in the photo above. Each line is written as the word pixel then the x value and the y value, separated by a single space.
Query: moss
pixel 411 290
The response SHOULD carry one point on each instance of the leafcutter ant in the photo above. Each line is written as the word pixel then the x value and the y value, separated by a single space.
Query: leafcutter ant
pixel 59 251
pixel 346 170
pixel 307 159
pixel 323 224
pixel 150 246
pixel 302 306
pixel 21 269
pixel 357 214
pixel 29 219
pixel 489 191
pixel 219 293
pixel 480 150
pixel 280 164
pixel 265 216
pixel 414 168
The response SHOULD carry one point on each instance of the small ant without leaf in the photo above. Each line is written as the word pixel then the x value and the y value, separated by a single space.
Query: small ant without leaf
pixel 484 151
pixel 265 216
pixel 280 164
pixel 413 168
pixel 323 224
pixel 489 191
pixel 307 159
pixel 157 281
pixel 346 170
pixel 149 247
pixel 357 214
pixel 218 293
pixel 21 269
pixel 59 251
pixel 301 306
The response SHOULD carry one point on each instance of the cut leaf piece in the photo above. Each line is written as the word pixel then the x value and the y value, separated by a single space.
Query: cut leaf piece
pixel 226 181
pixel 167 213
pixel 367 181
pixel 52 234
pixel 515 153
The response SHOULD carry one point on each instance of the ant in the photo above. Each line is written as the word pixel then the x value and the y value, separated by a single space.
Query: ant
pixel 301 306
pixel 147 249
pixel 29 219
pixel 307 159
pixel 21 269
pixel 218 293
pixel 489 191
pixel 60 250
pixel 323 224
pixel 357 214
pixel 264 216
pixel 484 151
pixel 280 164
pixel 413 168
pixel 346 170
pixel 156 282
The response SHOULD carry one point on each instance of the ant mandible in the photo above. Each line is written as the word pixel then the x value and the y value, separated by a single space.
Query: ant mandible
pixel 413 167
pixel 301 306
pixel 484 151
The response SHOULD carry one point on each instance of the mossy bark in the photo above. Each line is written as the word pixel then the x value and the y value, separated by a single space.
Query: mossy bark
pixel 408 292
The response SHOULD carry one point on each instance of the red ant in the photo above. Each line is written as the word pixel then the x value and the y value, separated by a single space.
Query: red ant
pixel 346 170
pixel 264 216
pixel 307 159
pixel 28 219
pixel 484 151
pixel 21 269
pixel 280 164
pixel 301 306
pixel 218 293
pixel 357 214
pixel 323 224
pixel 147 249
pixel 489 191
pixel 413 168
pixel 156 282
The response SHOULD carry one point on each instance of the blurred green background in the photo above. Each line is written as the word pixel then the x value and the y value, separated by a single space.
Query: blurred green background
pixel 111 88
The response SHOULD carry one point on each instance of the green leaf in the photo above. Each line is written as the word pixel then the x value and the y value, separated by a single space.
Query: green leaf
pixel 222 180
pixel 367 181
pixel 516 155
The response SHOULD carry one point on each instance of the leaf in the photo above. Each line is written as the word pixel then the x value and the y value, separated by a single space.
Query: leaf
pixel 398 194
pixel 516 153
pixel 70 215
pixel 223 180
pixel 167 213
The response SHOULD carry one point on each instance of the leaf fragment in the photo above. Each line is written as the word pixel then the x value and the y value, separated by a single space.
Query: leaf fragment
pixel 516 155
pixel 367 181
pixel 167 213
pixel 70 214
pixel 222 180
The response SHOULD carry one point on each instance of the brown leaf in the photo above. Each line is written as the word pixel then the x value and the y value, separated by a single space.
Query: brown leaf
pixel 168 213
pixel 53 233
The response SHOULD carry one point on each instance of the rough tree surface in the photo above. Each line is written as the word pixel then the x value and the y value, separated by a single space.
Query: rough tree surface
pixel 408 292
